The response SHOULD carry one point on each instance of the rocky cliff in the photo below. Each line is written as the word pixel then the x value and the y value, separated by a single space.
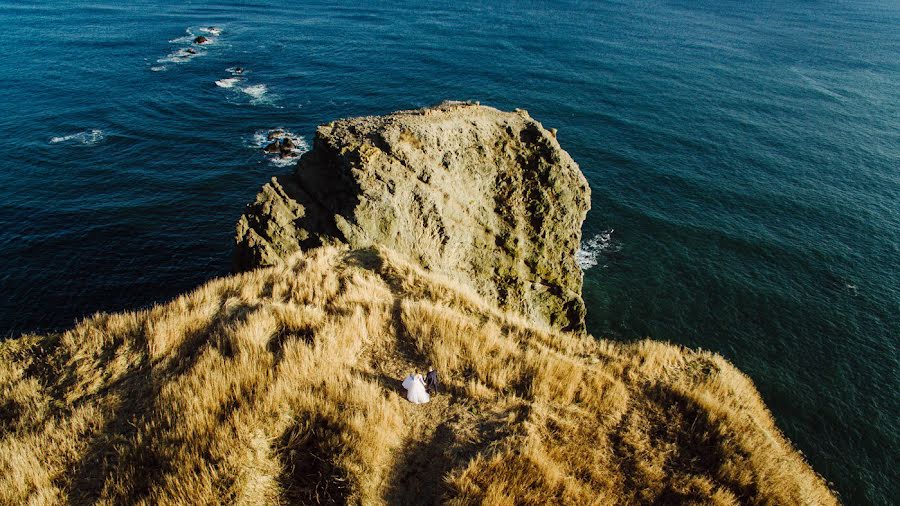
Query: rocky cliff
pixel 466 190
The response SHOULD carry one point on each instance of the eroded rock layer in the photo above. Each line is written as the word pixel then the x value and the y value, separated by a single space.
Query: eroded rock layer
pixel 463 189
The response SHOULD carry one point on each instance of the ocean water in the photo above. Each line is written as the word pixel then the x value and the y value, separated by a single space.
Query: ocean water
pixel 744 159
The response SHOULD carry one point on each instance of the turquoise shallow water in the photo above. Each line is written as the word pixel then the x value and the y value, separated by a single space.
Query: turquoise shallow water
pixel 746 157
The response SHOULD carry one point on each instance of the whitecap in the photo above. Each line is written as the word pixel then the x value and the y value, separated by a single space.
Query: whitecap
pixel 261 138
pixel 237 71
pixel 286 161
pixel 589 253
pixel 212 30
pixel 256 91
pixel 158 68
pixel 87 137
pixel 181 56
pixel 187 38
pixel 259 94
pixel 189 49
pixel 186 53
pixel 228 82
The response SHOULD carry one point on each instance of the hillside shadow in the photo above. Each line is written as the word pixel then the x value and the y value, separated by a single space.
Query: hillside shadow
pixel 103 458
pixel 310 475
pixel 671 419
pixel 419 475
pixel 118 450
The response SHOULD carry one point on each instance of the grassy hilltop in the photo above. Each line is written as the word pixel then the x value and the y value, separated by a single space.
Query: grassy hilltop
pixel 282 385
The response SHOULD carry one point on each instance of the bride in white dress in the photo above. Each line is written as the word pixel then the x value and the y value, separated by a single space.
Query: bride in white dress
pixel 415 389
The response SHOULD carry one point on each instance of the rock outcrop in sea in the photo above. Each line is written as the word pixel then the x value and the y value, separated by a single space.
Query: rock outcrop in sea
pixel 466 190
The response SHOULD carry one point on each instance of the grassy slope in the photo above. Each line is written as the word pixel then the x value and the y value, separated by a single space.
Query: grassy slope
pixel 283 385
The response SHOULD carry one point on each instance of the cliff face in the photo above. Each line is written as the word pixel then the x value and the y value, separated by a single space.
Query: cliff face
pixel 486 196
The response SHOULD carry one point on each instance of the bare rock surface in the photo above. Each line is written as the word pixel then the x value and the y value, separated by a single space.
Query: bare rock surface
pixel 485 196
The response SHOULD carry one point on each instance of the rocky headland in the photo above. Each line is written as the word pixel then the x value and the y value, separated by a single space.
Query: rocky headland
pixel 462 189
pixel 443 236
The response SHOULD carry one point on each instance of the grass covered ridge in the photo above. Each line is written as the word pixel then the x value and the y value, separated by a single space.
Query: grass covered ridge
pixel 282 385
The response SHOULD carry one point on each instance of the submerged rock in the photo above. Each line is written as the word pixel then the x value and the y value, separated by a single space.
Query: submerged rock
pixel 200 40
pixel 281 144
pixel 486 196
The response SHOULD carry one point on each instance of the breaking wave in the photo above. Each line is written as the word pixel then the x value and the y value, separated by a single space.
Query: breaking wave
pixel 589 253
pixel 257 91
pixel 228 82
pixel 262 138
pixel 87 137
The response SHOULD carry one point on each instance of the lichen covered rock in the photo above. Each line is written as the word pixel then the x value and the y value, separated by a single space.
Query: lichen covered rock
pixel 486 196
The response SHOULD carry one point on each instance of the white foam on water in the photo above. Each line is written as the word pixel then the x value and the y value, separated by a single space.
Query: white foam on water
pixel 256 91
pixel 261 139
pixel 228 82
pixel 235 72
pixel 87 137
pixel 158 68
pixel 259 94
pixel 189 50
pixel 180 56
pixel 589 253
pixel 187 53
pixel 284 162
pixel 187 38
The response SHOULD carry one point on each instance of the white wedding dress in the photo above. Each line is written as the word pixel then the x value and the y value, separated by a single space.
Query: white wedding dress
pixel 415 389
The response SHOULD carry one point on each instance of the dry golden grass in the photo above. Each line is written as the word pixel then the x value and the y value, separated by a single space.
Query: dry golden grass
pixel 282 385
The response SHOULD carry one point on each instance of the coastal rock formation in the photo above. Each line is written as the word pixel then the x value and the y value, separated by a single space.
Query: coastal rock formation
pixel 281 144
pixel 486 196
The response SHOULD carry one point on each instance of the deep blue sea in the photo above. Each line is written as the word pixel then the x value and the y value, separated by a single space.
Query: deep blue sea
pixel 744 159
